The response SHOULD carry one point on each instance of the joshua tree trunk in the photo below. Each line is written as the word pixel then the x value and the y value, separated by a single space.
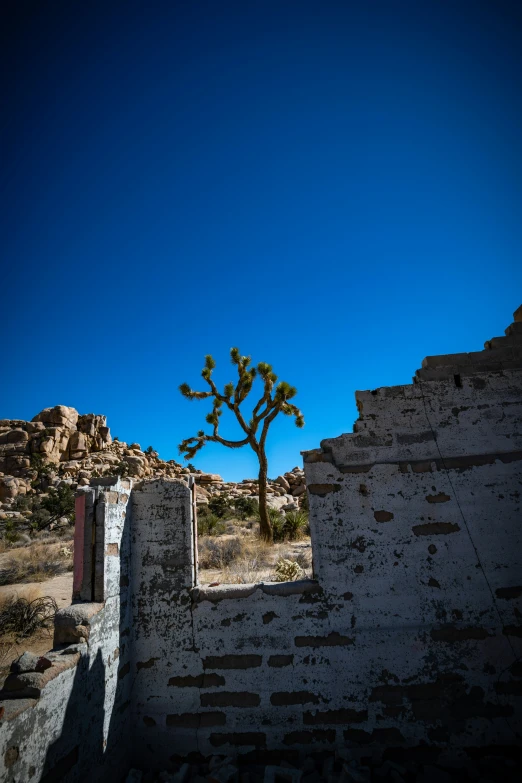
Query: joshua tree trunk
pixel 265 528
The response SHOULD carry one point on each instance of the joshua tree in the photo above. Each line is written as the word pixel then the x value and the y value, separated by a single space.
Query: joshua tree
pixel 272 402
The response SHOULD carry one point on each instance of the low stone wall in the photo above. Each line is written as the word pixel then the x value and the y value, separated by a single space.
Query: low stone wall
pixel 69 720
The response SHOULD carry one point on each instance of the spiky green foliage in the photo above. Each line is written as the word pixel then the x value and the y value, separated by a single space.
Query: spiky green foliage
pixel 274 400
pixel 287 570
pixel 210 525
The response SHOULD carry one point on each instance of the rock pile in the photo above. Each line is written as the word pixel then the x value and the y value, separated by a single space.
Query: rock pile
pixel 284 492
pixel 57 434
pixel 75 448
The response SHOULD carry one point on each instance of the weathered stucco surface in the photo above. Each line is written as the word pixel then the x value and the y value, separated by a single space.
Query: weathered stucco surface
pixel 78 728
pixel 410 635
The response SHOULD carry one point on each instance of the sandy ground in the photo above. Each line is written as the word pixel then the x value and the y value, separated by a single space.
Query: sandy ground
pixel 59 588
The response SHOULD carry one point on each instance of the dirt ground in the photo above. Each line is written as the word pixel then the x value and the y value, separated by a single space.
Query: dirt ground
pixel 59 588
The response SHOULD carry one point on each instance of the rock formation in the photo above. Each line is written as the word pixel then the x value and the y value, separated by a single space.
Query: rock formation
pixel 75 448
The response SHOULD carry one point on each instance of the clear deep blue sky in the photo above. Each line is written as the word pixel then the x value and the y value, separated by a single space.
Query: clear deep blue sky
pixel 335 187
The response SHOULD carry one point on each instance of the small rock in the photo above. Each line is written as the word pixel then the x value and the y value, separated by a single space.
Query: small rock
pixel 26 684
pixel 27 662
pixel 72 649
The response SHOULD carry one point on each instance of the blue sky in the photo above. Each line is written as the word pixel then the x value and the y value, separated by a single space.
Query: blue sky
pixel 334 187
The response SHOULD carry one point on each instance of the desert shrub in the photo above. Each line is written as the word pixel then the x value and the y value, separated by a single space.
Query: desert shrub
pixel 218 553
pixel 22 618
pixel 277 521
pixel 122 469
pixel 241 572
pixel 36 564
pixel 287 570
pixel 296 525
pixel 246 508
pixel 40 517
pixel 289 527
pixel 41 470
pixel 58 503
pixel 304 505
pixel 219 505
pixel 11 534
pixel 23 503
pixel 210 525
pixel 251 564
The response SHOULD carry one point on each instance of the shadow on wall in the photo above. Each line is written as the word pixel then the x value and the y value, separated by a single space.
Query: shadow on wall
pixel 85 709
pixel 93 744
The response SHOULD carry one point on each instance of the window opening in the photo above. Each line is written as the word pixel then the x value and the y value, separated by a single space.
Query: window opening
pixel 227 545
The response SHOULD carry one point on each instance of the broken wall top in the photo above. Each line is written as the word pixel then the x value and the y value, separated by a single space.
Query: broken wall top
pixel 481 392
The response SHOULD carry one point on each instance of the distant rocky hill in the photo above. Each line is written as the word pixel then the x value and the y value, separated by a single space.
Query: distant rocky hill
pixel 75 448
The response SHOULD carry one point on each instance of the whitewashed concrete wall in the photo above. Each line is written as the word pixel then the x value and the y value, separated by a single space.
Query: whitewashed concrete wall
pixel 68 722
pixel 408 637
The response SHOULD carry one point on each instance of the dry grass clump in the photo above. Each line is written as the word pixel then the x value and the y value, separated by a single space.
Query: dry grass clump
pixel 218 553
pixel 36 563
pixel 22 617
pixel 249 566
pixel 239 558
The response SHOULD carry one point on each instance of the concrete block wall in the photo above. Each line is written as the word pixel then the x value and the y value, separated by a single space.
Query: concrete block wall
pixel 163 572
pixel 409 636
pixel 416 522
pixel 71 721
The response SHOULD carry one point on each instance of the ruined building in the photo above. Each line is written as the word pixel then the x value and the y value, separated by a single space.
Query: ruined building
pixel 409 636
